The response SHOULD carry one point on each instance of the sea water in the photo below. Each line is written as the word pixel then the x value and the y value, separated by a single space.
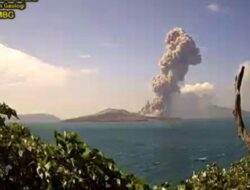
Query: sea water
pixel 158 151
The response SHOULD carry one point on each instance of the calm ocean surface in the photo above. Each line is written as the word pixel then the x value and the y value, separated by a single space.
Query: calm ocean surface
pixel 158 151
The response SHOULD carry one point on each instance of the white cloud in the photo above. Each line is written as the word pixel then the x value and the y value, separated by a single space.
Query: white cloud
pixel 196 100
pixel 227 95
pixel 198 88
pixel 193 101
pixel 214 7
pixel 17 67
pixel 31 85
pixel 85 56
pixel 191 105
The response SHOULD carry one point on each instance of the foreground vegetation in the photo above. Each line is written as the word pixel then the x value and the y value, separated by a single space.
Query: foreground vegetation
pixel 28 163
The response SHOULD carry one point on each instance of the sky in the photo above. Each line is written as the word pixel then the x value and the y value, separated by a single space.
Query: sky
pixel 73 58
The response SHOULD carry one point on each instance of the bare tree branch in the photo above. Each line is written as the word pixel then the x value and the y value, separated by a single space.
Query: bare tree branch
pixel 242 132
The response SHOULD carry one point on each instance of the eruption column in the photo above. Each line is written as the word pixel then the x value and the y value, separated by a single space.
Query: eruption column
pixel 181 51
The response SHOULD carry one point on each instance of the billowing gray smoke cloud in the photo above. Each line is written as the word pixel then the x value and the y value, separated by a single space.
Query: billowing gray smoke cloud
pixel 181 52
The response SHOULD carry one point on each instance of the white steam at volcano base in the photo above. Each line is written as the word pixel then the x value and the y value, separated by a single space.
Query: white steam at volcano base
pixel 181 51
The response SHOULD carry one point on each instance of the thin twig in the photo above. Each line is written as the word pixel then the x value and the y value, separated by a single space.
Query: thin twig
pixel 242 132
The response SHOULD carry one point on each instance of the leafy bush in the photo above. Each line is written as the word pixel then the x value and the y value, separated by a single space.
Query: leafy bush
pixel 28 163
pixel 237 177
pixel 214 177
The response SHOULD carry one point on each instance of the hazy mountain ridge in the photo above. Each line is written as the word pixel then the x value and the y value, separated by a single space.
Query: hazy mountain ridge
pixel 37 118
pixel 209 112
pixel 223 112
pixel 121 115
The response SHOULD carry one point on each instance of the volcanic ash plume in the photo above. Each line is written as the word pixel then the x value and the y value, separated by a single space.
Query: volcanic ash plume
pixel 181 52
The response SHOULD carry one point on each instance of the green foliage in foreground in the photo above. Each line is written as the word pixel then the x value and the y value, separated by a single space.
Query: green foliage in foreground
pixel 28 163
pixel 237 177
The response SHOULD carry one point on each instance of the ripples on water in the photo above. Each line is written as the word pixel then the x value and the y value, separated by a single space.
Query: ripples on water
pixel 158 151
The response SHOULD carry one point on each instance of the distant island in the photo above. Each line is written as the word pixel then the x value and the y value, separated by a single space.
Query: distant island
pixel 37 118
pixel 209 112
pixel 117 115
pixel 121 115
pixel 215 111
